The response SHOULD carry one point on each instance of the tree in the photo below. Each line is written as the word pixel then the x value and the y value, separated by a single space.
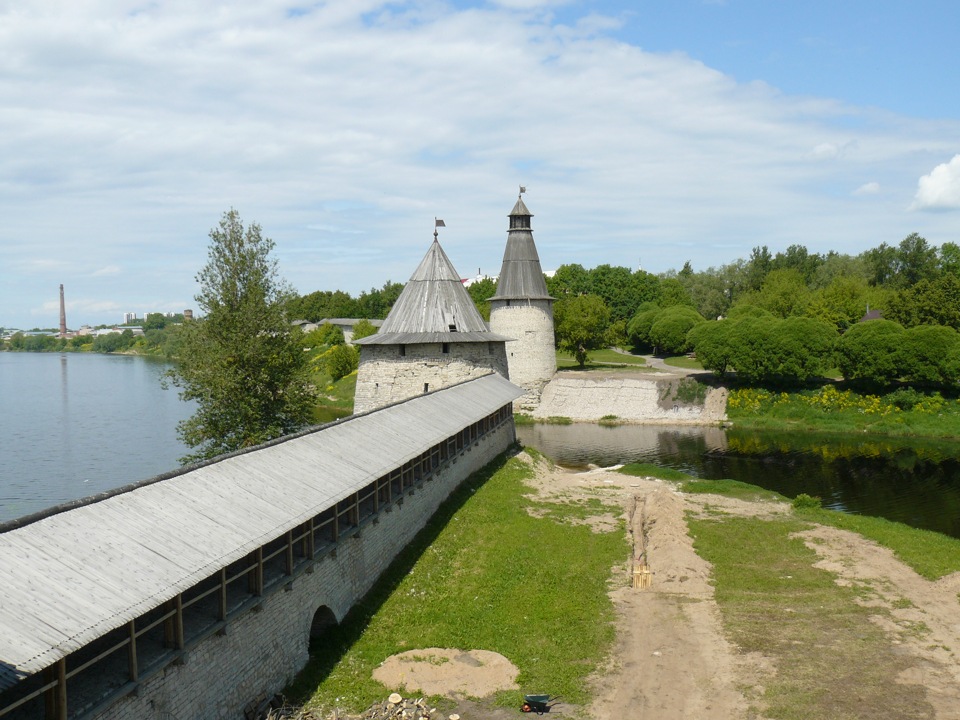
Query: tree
pixel 869 352
pixel 668 333
pixel 341 360
pixel 580 324
pixel 480 292
pixel 929 355
pixel 242 362
pixel 363 329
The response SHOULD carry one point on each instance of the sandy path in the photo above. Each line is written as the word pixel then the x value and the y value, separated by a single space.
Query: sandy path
pixel 672 660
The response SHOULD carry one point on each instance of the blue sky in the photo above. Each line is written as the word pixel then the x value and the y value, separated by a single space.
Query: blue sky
pixel 647 133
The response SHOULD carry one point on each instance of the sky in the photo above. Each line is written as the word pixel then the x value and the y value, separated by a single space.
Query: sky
pixel 647 133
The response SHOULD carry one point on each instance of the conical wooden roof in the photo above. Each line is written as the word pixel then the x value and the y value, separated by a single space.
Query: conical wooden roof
pixel 521 277
pixel 433 307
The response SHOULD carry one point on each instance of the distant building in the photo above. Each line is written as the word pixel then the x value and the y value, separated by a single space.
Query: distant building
pixel 129 317
pixel 433 338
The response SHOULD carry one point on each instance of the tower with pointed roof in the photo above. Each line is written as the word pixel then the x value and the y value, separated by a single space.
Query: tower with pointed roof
pixel 523 309
pixel 433 338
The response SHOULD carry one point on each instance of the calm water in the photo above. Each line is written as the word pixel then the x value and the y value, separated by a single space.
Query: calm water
pixel 73 425
pixel 916 482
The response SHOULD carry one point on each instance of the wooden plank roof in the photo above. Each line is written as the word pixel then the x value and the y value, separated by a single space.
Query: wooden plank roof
pixel 521 276
pixel 434 307
pixel 73 576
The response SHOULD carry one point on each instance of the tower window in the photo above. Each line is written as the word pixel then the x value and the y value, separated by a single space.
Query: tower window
pixel 403 350
pixel 446 348
pixel 426 387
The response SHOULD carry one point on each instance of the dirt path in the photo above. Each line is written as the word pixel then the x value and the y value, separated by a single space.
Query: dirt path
pixel 672 660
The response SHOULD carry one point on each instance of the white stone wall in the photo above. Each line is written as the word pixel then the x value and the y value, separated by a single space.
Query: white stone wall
pixel 386 377
pixel 263 651
pixel 531 355
pixel 630 399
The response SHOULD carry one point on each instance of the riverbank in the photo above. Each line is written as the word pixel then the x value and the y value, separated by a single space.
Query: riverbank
pixel 755 609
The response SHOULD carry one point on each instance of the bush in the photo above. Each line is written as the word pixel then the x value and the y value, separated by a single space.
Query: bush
pixel 806 502
pixel 341 360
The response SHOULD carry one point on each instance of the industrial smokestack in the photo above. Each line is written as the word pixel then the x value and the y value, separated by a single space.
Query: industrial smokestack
pixel 63 314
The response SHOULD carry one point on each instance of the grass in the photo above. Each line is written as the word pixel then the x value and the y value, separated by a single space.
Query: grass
pixel 831 660
pixel 335 398
pixel 690 484
pixel 930 554
pixel 683 361
pixel 829 409
pixel 484 574
pixel 605 359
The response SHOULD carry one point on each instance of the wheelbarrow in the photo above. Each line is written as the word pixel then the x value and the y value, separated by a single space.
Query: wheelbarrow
pixel 538 704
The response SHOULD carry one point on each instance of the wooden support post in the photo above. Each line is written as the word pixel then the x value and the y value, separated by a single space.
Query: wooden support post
pixel 311 542
pixel 222 611
pixel 132 652
pixel 289 561
pixel 55 699
pixel 258 577
pixel 178 617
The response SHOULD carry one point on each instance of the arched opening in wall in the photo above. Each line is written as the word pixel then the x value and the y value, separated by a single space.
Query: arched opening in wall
pixel 323 621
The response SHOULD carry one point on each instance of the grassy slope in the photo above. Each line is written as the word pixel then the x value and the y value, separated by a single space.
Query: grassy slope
pixel 486 575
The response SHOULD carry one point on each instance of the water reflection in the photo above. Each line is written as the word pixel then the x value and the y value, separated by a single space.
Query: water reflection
pixel 916 482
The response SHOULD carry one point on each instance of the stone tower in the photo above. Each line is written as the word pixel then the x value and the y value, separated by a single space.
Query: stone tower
pixel 523 309
pixel 433 338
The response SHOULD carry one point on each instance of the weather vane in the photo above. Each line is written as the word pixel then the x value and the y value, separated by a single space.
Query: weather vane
pixel 437 223
pixel 523 189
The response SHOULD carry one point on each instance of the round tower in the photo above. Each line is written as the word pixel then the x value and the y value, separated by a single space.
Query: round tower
pixel 523 309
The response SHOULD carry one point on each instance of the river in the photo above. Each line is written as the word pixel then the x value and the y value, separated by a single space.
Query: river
pixel 74 425
pixel 77 424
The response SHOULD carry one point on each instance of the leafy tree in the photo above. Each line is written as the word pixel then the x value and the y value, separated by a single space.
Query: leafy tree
pixel 672 292
pixel 845 301
pixel 881 264
pixel 802 349
pixel 928 302
pixel 341 360
pixel 930 354
pixel 950 258
pixel 711 342
pixel 796 257
pixel 614 285
pixel 870 352
pixel 569 280
pixel 154 321
pixel 668 333
pixel 242 362
pixel 759 264
pixel 480 292
pixel 915 260
pixel 363 329
pixel 580 324
pixel 784 293
pixel 327 334
pixel 638 329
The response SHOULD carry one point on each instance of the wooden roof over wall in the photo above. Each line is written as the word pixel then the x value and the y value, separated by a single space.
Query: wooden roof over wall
pixel 75 575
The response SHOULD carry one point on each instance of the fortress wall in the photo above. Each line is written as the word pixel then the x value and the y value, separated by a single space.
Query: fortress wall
pixel 263 650
pixel 386 377
pixel 632 399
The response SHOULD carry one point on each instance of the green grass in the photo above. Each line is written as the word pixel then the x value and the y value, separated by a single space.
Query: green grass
pixel 484 574
pixel 690 484
pixel 650 470
pixel 831 660
pixel 829 410
pixel 605 359
pixel 682 361
pixel 335 398
pixel 930 554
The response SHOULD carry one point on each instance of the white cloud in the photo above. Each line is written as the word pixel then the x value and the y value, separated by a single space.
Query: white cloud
pixel 108 270
pixel 940 190
pixel 128 128
pixel 870 188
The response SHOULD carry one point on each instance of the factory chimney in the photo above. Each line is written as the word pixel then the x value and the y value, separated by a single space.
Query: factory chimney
pixel 63 314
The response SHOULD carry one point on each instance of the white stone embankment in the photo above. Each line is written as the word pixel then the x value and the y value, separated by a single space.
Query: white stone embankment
pixel 634 397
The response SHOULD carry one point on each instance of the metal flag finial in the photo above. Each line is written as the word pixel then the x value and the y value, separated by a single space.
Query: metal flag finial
pixel 437 223
pixel 523 189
